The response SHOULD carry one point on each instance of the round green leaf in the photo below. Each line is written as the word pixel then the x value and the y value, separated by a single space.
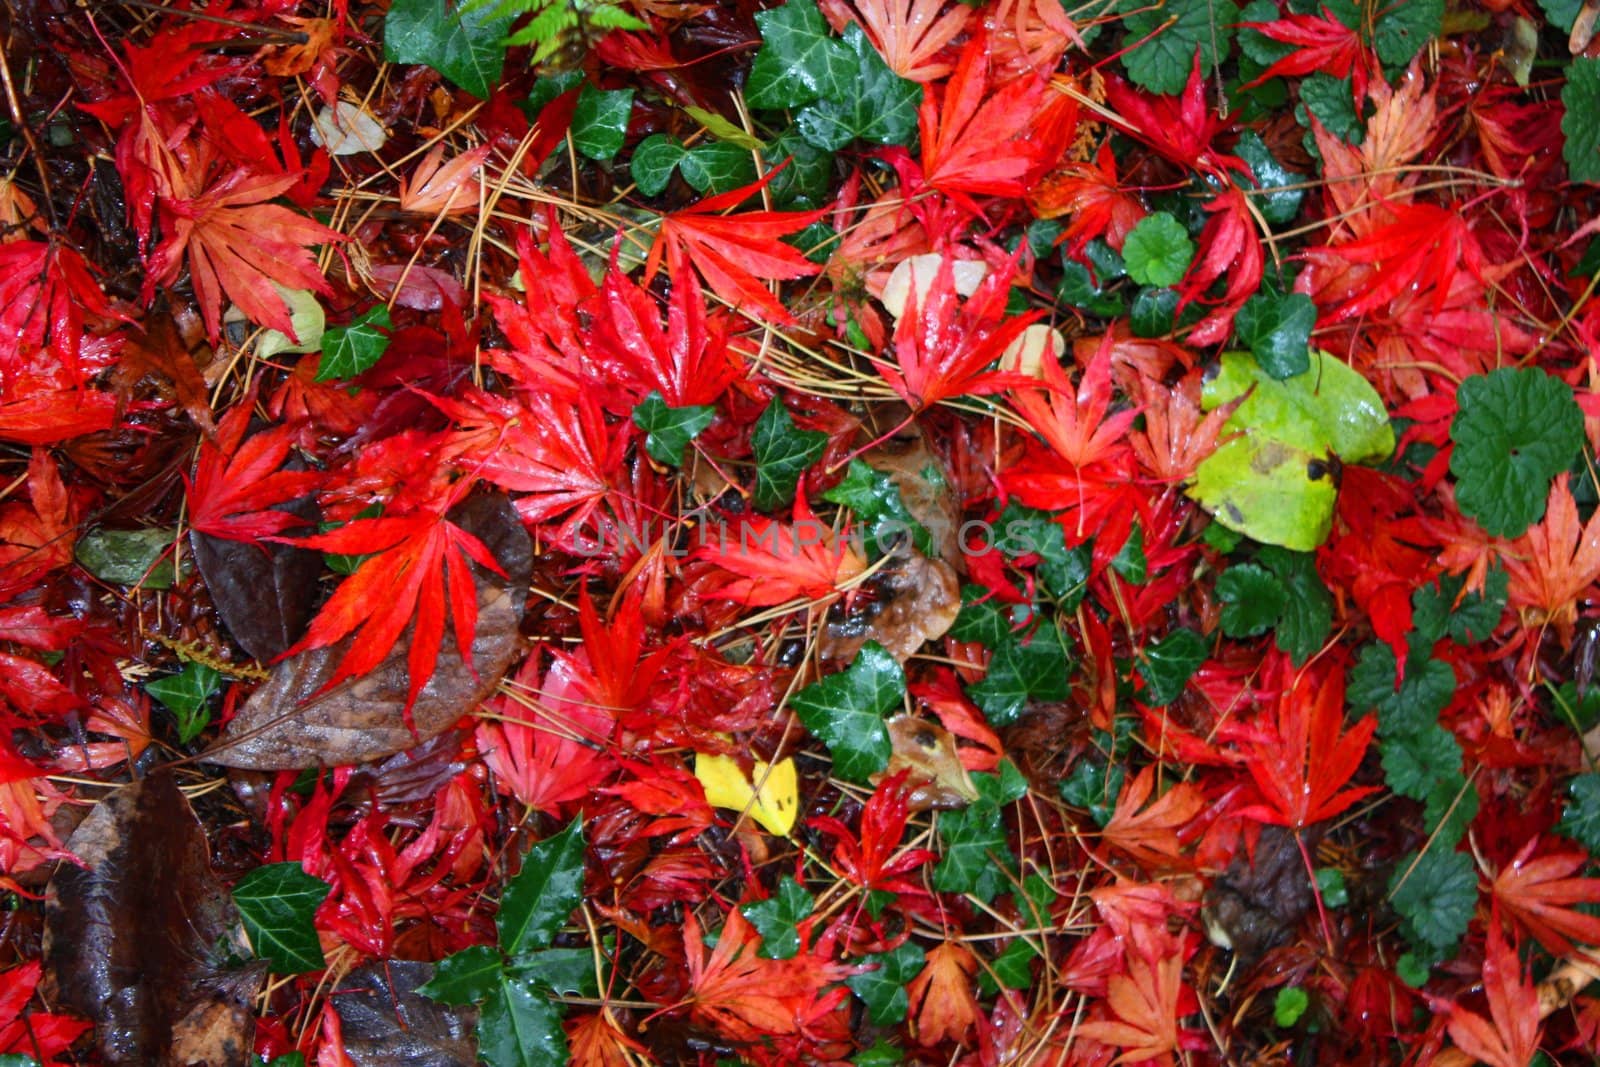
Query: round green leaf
pixel 1158 250
pixel 1515 429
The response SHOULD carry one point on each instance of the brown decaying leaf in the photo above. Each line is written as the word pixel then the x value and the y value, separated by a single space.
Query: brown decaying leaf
pixel 385 1023
pixel 264 592
pixel 1259 901
pixel 286 726
pixel 928 751
pixel 130 937
pixel 162 352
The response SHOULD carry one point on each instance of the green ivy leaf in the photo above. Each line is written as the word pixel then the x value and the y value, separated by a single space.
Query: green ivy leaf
pixel 653 162
pixel 465 43
pixel 1283 187
pixel 846 711
pixel 519 1027
pixel 1023 531
pixel 277 903
pixel 777 917
pixel 17 1059
pixel 354 349
pixel 540 899
pixel 1276 328
pixel 808 175
pixel 984 621
pixel 1580 819
pixel 468 976
pixel 1023 670
pixel 1162 39
pixel 1011 969
pixel 1153 312
pixel 1158 250
pixel 883 989
pixel 1330 102
pixel 976 855
pixel 1308 609
pixel 1130 562
pixel 799 59
pixel 874 498
pixel 668 431
pixel 716 167
pixel 186 695
pixel 1094 787
pixel 600 121
pixel 783 451
pixel 1273 479
pixel 1252 600
pixel 880 107
pixel 1436 899
pixel 1515 429
pixel 1168 664
pixel 568 971
pixel 1404 28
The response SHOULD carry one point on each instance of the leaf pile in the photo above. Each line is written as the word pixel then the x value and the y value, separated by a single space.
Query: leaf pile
pixel 822 531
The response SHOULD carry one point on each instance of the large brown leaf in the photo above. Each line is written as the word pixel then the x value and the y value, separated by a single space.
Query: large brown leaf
pixel 287 726
pixel 131 936
pixel 386 1023
pixel 264 592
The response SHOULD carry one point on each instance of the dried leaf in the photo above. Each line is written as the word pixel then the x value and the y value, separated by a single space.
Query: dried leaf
pixel 286 725
pixel 928 751
pixel 131 936
pixel 385 1023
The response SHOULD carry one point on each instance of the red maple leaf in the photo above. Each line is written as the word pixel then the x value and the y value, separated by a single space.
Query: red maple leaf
pixel 734 253
pixel 1424 249
pixel 874 860
pixel 38 1034
pixel 46 291
pixel 1323 45
pixel 1150 836
pixel 420 563
pixel 979 138
pixel 1303 764
pixel 540 740
pixel 1538 895
pixel 943 347
pixel 749 998
pixel 1229 248
pixel 911 35
pixel 238 481
pixel 777 562
pixel 1180 128
pixel 687 361
pixel 238 244
pixel 1509 1037
pixel 1091 199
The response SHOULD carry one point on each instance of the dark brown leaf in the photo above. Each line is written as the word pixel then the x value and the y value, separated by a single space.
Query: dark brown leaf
pixel 263 591
pixel 1261 898
pixel 161 351
pixel 286 726
pixel 386 1024
pixel 131 936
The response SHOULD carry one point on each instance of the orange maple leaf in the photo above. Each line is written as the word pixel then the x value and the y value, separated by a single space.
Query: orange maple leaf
pixel 1150 836
pixel 1538 894
pixel 1553 564
pixel 777 562
pixel 1510 1036
pixel 734 253
pixel 595 1040
pixel 910 35
pixel 238 244
pixel 439 188
pixel 749 998
pixel 1145 1001
pixel 943 1006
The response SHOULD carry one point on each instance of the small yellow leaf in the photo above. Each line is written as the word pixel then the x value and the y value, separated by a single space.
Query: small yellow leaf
pixel 774 807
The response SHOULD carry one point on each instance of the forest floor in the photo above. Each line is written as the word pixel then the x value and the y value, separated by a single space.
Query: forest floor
pixel 844 531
